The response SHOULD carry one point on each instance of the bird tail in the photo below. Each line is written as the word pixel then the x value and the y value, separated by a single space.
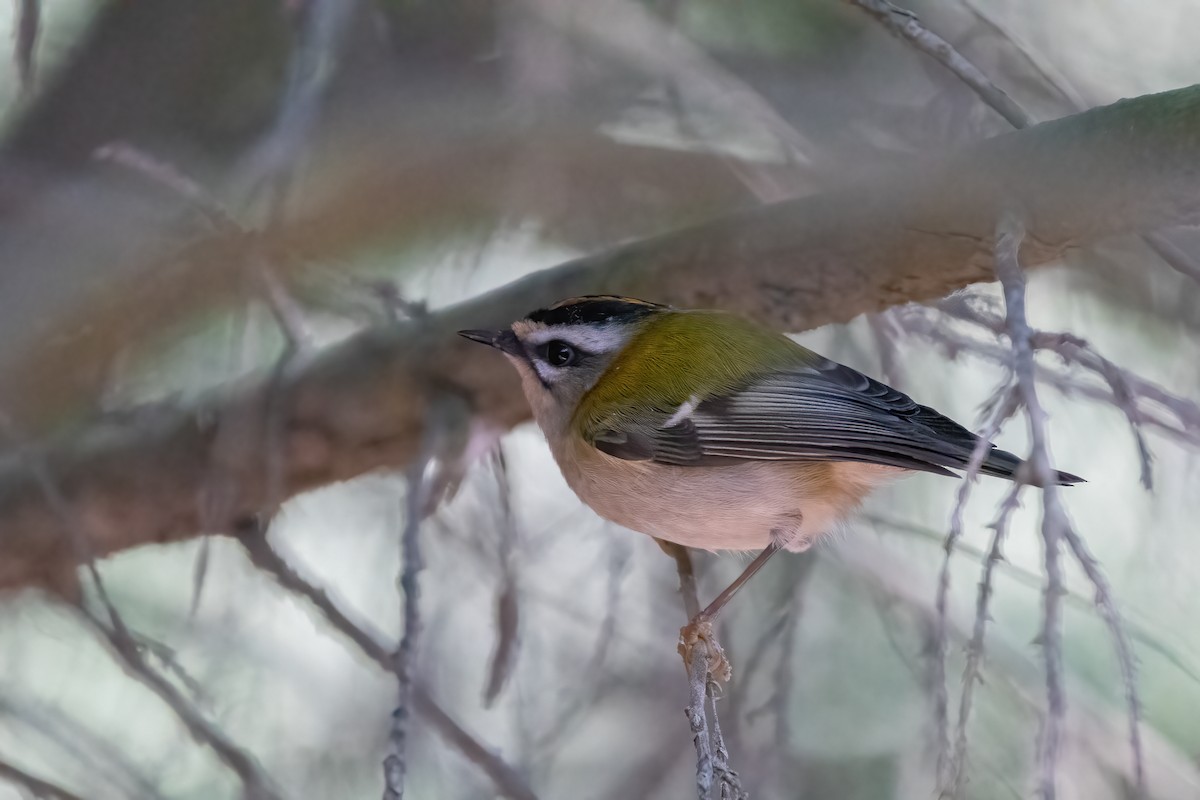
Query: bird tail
pixel 1003 464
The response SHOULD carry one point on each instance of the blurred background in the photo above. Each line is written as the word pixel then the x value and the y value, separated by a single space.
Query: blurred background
pixel 410 154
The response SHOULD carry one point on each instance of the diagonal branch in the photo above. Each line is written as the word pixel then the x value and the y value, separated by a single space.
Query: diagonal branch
pixel 121 641
pixel 505 779
pixel 256 784
pixel 905 25
pixel 39 788
pixel 361 405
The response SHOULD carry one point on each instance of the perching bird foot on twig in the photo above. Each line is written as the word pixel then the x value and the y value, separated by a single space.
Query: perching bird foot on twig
pixel 700 629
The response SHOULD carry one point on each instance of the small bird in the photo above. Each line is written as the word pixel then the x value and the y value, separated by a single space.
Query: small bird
pixel 705 429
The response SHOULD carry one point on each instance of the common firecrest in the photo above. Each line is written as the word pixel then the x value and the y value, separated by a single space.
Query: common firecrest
pixel 705 429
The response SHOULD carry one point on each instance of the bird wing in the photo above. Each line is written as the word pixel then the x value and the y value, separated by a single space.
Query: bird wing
pixel 821 411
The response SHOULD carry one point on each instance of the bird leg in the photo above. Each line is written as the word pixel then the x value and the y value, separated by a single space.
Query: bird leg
pixel 700 628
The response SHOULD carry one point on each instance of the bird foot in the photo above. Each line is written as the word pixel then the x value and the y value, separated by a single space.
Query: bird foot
pixel 699 632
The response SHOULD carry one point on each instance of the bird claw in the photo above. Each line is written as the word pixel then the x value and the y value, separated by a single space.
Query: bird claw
pixel 700 631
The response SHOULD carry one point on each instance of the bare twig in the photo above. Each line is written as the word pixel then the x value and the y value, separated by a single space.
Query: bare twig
pixel 697 691
pixel 905 25
pixel 1126 387
pixel 1005 407
pixel 712 757
pixel 288 316
pixel 96 754
pixel 286 311
pixel 39 788
pixel 957 769
pixel 1186 428
pixel 1073 348
pixel 29 25
pixel 504 778
pixel 65 515
pixel 395 765
pixel 591 678
pixel 508 614
pixel 255 783
pixel 271 164
pixel 1052 77
pixel 171 178
pixel 1056 528
pixel 1138 632
pixel 632 34
pixel 1109 612
pixel 126 646
pixel 1172 255
pixel 728 782
pixel 1009 234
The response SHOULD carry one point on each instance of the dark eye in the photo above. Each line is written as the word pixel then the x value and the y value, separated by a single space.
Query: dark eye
pixel 560 354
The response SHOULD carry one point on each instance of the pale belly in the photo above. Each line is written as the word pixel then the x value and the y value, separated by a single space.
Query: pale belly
pixel 736 507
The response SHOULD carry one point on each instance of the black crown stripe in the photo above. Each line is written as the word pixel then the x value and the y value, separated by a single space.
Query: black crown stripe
pixel 593 309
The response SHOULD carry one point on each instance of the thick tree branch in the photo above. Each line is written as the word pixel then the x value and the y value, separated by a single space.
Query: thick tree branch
pixel 914 235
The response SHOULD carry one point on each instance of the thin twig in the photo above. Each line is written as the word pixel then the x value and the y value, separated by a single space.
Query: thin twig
pixel 1126 387
pixel 123 642
pixel 505 779
pixel 1009 234
pixel 1005 407
pixel 728 781
pixel 1186 428
pixel 1172 255
pixel 1053 78
pixel 1111 615
pixel 975 648
pixel 634 35
pixel 174 180
pixel 697 693
pixel 508 609
pixel 255 783
pixel 710 763
pixel 905 25
pixel 1056 528
pixel 395 765
pixel 39 788
pixel 591 677
pixel 98 757
pixel 29 25
pixel 697 670
pixel 1138 632
pixel 271 164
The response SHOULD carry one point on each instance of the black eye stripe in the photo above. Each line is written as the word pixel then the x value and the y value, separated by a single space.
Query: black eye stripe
pixel 558 353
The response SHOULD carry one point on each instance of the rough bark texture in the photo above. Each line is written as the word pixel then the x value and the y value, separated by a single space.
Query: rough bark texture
pixel 914 235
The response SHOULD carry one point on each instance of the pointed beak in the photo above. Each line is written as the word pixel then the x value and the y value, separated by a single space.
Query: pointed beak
pixel 505 341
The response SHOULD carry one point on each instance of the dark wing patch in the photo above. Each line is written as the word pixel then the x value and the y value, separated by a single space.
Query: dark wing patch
pixel 827 412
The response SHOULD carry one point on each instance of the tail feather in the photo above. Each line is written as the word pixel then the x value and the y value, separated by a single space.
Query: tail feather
pixel 1003 464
